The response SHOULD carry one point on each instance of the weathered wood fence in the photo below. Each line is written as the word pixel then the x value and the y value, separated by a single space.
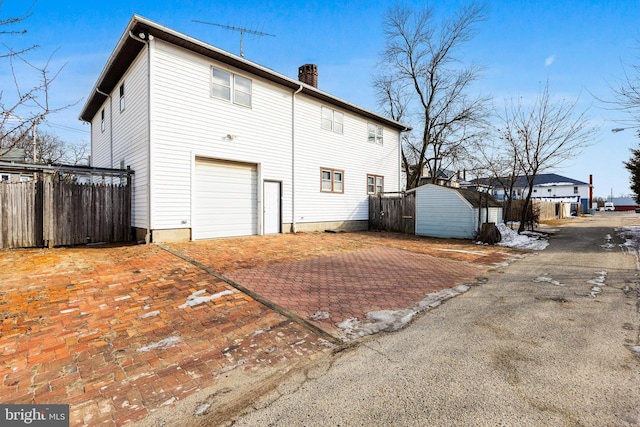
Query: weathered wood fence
pixel 46 213
pixel 393 213
pixel 540 210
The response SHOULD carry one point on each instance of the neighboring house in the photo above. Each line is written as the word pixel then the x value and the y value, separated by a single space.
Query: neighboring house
pixel 549 187
pixel 222 146
pixel 16 155
pixel 453 212
pixel 445 177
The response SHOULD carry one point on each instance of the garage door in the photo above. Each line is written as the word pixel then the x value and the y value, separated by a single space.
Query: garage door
pixel 225 199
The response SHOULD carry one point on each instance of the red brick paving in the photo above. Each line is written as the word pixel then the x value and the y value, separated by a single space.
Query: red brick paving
pixel 74 331
pixel 86 326
pixel 351 284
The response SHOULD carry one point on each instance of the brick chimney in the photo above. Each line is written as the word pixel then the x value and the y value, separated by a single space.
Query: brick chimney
pixel 308 73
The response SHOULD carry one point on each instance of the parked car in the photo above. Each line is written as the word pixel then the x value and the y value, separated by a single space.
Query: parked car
pixel 608 206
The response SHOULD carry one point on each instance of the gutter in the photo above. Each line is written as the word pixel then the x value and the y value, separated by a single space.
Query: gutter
pixel 293 159
pixel 146 39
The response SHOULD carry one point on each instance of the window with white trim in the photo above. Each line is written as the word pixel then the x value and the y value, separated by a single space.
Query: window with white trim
pixel 375 133
pixel 375 184
pixel 575 190
pixel 331 180
pixel 332 120
pixel 230 87
pixel 102 120
pixel 122 97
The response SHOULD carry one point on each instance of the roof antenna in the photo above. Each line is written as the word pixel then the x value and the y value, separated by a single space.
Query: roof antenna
pixel 240 30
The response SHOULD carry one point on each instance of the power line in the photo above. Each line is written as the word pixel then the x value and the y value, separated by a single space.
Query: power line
pixel 238 29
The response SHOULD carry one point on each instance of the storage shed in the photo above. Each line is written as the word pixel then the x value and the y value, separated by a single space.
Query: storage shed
pixel 453 212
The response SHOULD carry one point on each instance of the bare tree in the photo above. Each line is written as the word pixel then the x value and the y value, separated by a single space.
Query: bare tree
pixel 51 149
pixel 543 135
pixel 627 91
pixel 25 107
pixel 421 80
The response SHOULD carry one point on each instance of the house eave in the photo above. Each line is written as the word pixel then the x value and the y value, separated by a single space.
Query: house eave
pixel 128 48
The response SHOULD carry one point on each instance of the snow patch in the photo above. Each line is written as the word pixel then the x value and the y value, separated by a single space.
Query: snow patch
pixel 160 345
pixel 149 314
pixel 198 297
pixel 540 279
pixel 319 315
pixel 392 320
pixel 529 240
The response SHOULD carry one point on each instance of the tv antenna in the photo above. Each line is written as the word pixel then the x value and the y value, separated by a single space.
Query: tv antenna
pixel 238 29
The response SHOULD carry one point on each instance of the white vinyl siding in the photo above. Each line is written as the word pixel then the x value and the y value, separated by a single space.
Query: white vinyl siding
pixel 189 123
pixel 130 135
pixel 350 153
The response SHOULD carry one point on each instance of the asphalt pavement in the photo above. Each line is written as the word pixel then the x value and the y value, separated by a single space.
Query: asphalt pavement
pixel 546 341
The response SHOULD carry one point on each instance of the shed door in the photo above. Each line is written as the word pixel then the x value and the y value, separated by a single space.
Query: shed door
pixel 272 210
pixel 225 199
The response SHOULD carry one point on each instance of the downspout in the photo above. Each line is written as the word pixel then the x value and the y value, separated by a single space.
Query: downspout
pixel 110 125
pixel 146 39
pixel 293 160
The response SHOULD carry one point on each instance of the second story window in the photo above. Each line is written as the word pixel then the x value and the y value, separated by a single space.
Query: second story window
pixel 375 133
pixel 575 190
pixel 230 87
pixel 102 120
pixel 122 97
pixel 332 120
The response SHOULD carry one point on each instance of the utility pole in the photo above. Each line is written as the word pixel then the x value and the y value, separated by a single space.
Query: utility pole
pixel 238 29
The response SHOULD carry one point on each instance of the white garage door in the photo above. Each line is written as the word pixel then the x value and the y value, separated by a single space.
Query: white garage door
pixel 225 199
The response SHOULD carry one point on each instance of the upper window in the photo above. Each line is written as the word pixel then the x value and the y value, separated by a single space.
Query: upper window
pixel 332 120
pixel 122 97
pixel 375 133
pixel 375 184
pixel 102 120
pixel 230 87
pixel 331 180
pixel 575 190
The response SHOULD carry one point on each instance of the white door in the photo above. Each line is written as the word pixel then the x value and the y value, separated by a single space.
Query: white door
pixel 225 199
pixel 272 208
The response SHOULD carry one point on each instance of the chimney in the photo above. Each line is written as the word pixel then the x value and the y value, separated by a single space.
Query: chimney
pixel 308 73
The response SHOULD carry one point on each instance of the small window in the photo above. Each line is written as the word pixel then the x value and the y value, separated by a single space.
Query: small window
pixel 102 120
pixel 535 190
pixel 548 190
pixel 375 184
pixel 332 120
pixel 5 177
pixel 221 84
pixel 331 180
pixel 242 91
pixel 230 87
pixel 575 190
pixel 122 97
pixel 375 133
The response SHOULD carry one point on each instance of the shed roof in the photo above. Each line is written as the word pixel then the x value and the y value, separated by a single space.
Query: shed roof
pixel 472 196
pixel 129 46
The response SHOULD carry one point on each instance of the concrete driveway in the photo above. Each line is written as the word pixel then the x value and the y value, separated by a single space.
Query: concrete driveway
pixel 119 332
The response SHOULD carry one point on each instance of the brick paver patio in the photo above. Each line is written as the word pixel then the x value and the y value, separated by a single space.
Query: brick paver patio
pixel 118 332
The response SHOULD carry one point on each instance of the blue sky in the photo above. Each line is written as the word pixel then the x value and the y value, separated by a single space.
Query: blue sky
pixel 577 46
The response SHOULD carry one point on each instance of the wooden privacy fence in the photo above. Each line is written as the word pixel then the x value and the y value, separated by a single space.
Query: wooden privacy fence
pixel 393 213
pixel 540 210
pixel 47 213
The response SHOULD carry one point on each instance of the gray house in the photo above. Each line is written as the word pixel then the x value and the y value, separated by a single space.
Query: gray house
pixel 453 212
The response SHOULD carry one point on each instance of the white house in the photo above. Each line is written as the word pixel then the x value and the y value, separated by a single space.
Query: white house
pixel 222 146
pixel 453 212
pixel 549 187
